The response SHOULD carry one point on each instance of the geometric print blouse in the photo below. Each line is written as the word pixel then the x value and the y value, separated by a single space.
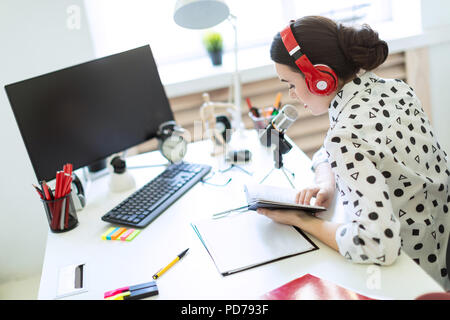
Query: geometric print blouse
pixel 391 174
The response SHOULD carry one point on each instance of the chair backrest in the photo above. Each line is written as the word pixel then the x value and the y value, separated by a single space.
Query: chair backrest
pixel 448 243
pixel 448 258
pixel 434 296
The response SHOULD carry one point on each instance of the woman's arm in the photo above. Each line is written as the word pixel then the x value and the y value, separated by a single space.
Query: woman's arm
pixel 323 189
pixel 372 233
pixel 324 175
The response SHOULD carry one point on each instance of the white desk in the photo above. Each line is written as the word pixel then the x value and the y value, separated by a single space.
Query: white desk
pixel 113 264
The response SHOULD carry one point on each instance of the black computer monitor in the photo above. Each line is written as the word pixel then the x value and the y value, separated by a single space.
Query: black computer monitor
pixel 87 112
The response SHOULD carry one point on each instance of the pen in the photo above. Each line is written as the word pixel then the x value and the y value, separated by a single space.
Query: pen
pixel 46 190
pixel 161 272
pixel 39 191
pixel 229 211
pixel 253 110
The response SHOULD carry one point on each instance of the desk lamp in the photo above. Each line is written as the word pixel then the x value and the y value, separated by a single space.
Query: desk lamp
pixel 203 14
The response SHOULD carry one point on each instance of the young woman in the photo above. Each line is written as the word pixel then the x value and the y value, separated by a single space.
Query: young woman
pixel 380 152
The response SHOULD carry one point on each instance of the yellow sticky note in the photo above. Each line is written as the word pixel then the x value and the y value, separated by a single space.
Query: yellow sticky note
pixel 107 232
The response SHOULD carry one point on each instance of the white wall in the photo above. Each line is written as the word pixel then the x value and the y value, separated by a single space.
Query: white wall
pixel 436 13
pixel 34 39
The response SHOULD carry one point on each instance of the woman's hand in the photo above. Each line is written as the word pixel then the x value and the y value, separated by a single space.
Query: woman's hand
pixel 289 217
pixel 324 194
pixel 325 231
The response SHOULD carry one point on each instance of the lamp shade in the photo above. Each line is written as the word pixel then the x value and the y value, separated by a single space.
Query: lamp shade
pixel 200 14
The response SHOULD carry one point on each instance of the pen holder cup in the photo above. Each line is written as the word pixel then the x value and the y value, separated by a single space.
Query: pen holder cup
pixel 61 214
pixel 260 122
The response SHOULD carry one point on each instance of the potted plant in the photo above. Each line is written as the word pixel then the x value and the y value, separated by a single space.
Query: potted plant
pixel 214 45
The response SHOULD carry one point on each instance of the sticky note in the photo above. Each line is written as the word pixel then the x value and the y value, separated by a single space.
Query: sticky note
pixel 133 235
pixel 108 237
pixel 118 233
pixel 107 232
pixel 124 235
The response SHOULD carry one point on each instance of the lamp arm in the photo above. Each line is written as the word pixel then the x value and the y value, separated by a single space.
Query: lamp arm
pixel 236 81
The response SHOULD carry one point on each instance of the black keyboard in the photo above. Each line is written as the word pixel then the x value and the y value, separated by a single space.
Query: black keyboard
pixel 147 203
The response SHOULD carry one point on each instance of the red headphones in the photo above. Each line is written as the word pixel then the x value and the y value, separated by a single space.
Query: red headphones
pixel 320 79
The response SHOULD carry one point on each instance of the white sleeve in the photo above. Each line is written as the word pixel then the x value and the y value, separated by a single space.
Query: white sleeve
pixel 319 157
pixel 373 236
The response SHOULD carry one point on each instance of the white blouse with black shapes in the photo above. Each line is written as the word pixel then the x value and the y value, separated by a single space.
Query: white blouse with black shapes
pixel 391 174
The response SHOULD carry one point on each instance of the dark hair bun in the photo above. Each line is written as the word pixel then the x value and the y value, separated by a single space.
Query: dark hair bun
pixel 362 47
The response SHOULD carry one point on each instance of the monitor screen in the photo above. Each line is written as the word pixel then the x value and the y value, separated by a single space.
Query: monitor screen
pixel 87 112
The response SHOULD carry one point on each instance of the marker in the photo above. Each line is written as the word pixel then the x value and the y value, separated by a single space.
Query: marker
pixel 268 112
pixel 253 110
pixel 161 272
pixel 133 292
pixel 277 103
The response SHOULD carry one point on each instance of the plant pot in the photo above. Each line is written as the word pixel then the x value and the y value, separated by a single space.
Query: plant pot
pixel 216 57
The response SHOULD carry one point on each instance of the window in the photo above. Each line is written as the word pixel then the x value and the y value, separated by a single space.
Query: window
pixel 119 25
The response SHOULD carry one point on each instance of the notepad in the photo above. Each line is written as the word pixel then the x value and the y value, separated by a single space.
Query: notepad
pixel 272 197
pixel 246 240
pixel 310 287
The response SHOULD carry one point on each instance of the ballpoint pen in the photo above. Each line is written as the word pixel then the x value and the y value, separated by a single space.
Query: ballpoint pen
pixel 161 272
pixel 227 212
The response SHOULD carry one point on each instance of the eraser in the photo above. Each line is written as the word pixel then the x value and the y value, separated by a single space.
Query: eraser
pixel 107 232
pixel 133 235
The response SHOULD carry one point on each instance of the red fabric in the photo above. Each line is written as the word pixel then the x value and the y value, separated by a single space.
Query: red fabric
pixel 310 287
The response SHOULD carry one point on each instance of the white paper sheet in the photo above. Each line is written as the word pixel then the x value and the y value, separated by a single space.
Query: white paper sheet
pixel 248 239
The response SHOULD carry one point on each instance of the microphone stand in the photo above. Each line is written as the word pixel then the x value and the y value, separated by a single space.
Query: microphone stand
pixel 282 147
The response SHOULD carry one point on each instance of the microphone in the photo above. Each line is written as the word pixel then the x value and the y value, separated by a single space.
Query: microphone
pixel 287 116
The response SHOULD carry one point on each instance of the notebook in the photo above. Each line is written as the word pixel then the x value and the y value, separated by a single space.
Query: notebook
pixel 310 287
pixel 245 240
pixel 264 196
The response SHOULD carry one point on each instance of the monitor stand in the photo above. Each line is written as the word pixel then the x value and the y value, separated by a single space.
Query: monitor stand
pixel 97 166
pixel 95 170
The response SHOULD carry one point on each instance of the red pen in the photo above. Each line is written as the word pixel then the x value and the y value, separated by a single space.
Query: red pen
pixel 66 191
pixel 66 185
pixel 58 205
pixel 45 188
